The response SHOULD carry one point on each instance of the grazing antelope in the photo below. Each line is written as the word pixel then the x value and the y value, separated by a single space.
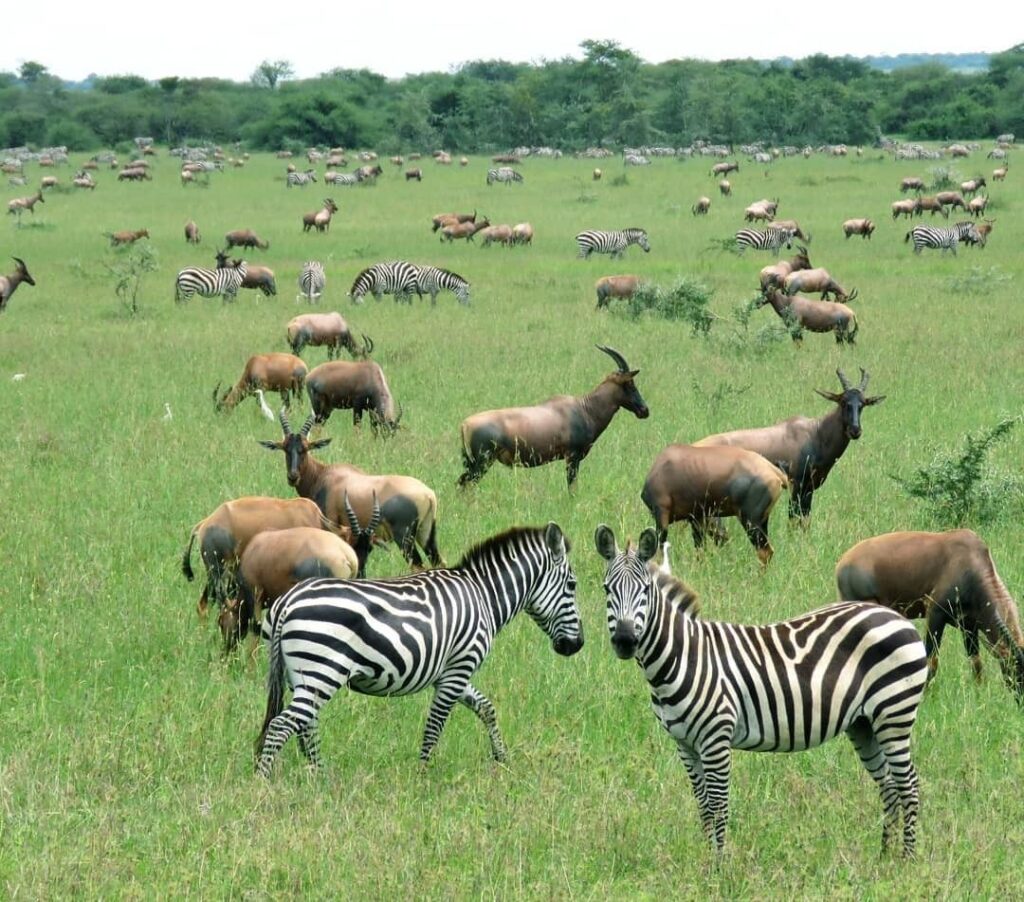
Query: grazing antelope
pixel 9 283
pixel 126 237
pixel 702 206
pixel 244 238
pixel 325 329
pixel 817 280
pixel 224 534
pixel 725 188
pixel 906 208
pixel 791 225
pixel 283 373
pixel 807 448
pixel 192 233
pixel 561 428
pixel 912 183
pixel 359 385
pixel 774 275
pixel 260 278
pixel 273 562
pixel 812 315
pixel 454 230
pixel 408 507
pixel 862 227
pixel 951 199
pixel 443 219
pixel 948 578
pixel 414 175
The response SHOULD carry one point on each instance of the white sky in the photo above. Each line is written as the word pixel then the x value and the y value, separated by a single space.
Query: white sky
pixel 229 38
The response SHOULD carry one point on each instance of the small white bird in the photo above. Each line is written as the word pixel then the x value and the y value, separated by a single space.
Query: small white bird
pixel 168 416
pixel 17 377
pixel 267 412
pixel 666 566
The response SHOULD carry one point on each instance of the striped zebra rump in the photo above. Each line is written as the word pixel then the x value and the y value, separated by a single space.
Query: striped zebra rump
pixel 944 239
pixel 312 281
pixel 771 239
pixel 399 636
pixel 851 667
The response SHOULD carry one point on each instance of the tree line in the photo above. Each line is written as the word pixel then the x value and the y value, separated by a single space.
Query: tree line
pixel 610 97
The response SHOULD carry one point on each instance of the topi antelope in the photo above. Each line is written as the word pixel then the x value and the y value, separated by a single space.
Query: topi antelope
pixel 359 385
pixel 817 279
pixel 326 329
pixel 563 427
pixel 807 448
pixel 283 373
pixel 9 283
pixel 812 315
pixel 947 577
pixel 347 496
pixel 774 275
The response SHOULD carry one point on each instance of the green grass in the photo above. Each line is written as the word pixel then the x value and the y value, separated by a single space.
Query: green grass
pixel 126 739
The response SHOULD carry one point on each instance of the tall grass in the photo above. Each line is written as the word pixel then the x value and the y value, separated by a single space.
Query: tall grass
pixel 126 739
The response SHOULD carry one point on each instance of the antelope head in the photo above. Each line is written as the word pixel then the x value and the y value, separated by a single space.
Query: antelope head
pixel 295 445
pixel 623 377
pixel 851 401
pixel 362 536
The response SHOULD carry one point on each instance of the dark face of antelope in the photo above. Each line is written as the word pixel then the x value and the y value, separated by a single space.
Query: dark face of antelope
pixel 22 270
pixel 295 446
pixel 631 397
pixel 851 401
pixel 629 587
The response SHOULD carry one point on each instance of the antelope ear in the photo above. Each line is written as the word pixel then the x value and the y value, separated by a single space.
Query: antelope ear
pixel 270 446
pixel 647 547
pixel 604 541
pixel 319 443
pixel 555 540
pixel 878 399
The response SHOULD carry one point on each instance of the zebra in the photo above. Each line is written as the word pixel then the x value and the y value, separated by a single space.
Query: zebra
pixel 344 178
pixel 504 174
pixel 943 238
pixel 635 159
pixel 397 278
pixel 300 178
pixel 431 280
pixel 771 239
pixel 312 281
pixel 852 667
pixel 208 283
pixel 614 243
pixel 398 636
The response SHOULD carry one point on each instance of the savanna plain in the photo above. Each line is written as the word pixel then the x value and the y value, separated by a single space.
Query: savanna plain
pixel 126 737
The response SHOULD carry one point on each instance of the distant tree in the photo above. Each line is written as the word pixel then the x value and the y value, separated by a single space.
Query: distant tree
pixel 268 74
pixel 31 72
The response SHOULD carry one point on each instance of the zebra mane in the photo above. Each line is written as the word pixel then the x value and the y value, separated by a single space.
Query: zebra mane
pixel 676 592
pixel 502 540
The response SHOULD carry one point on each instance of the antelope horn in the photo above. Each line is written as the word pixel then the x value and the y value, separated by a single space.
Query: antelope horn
pixel 863 381
pixel 616 356
pixel 285 425
pixel 367 345
pixel 843 381
pixel 308 425
pixel 21 262
pixel 398 418
pixel 375 517
pixel 215 391
pixel 353 520
pixel 802 249
pixel 852 295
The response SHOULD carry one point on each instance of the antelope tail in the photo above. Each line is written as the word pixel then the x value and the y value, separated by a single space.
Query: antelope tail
pixel 186 560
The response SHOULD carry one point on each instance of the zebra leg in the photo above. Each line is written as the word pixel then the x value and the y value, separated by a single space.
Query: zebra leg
pixel 446 694
pixel 299 717
pixel 876 764
pixel 904 777
pixel 309 741
pixel 716 760
pixel 695 771
pixel 483 708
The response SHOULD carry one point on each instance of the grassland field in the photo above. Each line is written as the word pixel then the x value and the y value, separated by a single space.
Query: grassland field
pixel 126 737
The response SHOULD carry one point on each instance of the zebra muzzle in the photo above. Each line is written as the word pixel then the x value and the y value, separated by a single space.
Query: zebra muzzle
pixel 624 639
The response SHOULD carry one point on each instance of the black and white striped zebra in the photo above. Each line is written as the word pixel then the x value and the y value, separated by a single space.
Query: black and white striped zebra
pixel 312 281
pixel 344 178
pixel 852 667
pixel 614 243
pixel 945 239
pixel 396 278
pixel 504 174
pixel 301 179
pixel 432 280
pixel 209 283
pixel 771 239
pixel 398 636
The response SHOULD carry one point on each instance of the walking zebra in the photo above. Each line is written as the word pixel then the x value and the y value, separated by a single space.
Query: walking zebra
pixel 431 280
pixel 771 239
pixel 209 283
pixel 504 174
pixel 344 178
pixel 398 636
pixel 852 667
pixel 397 278
pixel 312 281
pixel 944 239
pixel 614 243
pixel 300 178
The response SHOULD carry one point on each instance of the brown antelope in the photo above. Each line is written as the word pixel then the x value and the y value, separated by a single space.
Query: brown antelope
pixel 500 234
pixel 817 280
pixel 9 283
pixel 408 507
pixel 976 205
pixel 561 428
pixel 19 205
pixel 774 275
pixel 414 175
pixel 862 227
pixel 700 485
pixel 224 534
pixel 761 210
pixel 906 208
pixel 972 186
pixel 126 237
pixel 244 238
pixel 912 183
pixel 951 199
pixel 357 385
pixel 812 315
pixel 273 562
pixel 443 219
pixel 325 329
pixel 725 168
pixel 608 287
pixel 466 230
pixel 192 235
pixel 948 578
pixel 522 233
pixel 807 448
pixel 320 219
pixel 725 188
pixel 283 373
pixel 261 278
pixel 932 204
pixel 702 206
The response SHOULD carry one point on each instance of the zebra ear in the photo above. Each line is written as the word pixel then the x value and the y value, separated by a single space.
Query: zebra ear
pixel 647 547
pixel 604 540
pixel 555 540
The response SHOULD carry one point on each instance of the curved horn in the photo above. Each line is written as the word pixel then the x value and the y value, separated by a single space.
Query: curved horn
pixel 367 345
pixel 852 295
pixel 216 389
pixel 620 361
pixel 398 416
pixel 802 250
pixel 843 381
pixel 285 425
pixel 863 381
pixel 21 262
pixel 308 425
pixel 375 517
pixel 353 520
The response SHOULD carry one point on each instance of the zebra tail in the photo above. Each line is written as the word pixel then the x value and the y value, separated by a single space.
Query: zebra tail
pixel 275 680
pixel 186 560
pixel 906 238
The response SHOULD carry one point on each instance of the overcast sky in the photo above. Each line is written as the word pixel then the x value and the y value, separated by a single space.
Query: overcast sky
pixel 228 39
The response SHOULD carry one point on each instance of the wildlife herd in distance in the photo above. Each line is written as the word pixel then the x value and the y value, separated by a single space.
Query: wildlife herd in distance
pixel 300 569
